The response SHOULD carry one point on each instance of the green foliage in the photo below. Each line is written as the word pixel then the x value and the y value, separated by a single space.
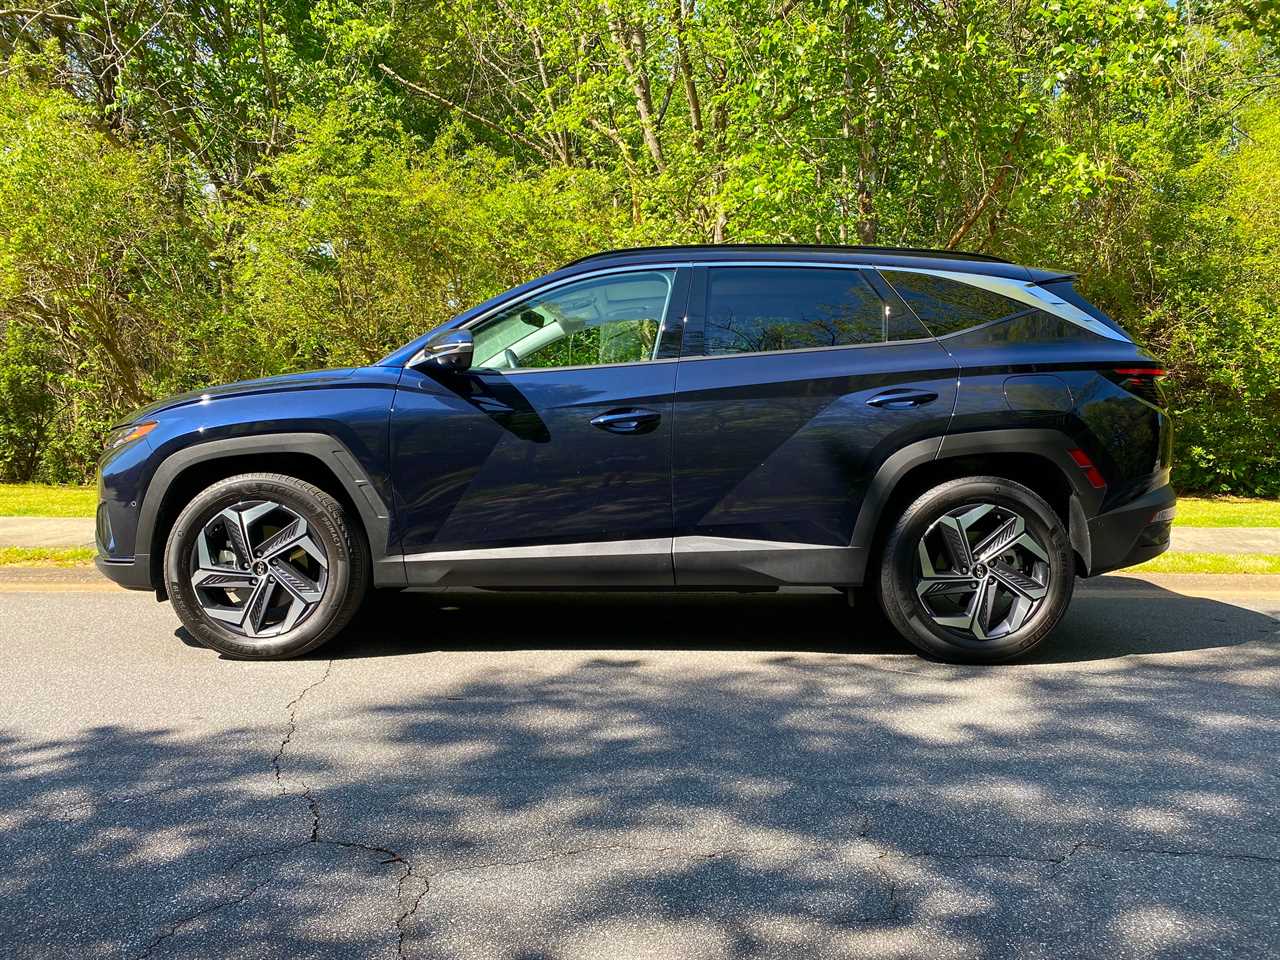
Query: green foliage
pixel 364 244
pixel 1219 322
pixel 27 402
pixel 326 180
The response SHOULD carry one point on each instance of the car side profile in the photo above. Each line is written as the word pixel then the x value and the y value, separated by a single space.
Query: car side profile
pixel 958 434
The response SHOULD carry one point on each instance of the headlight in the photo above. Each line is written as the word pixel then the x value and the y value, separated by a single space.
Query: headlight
pixel 126 435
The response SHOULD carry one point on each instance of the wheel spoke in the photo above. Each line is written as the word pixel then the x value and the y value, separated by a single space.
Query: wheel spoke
pixel 237 537
pixel 970 517
pixel 204 557
pixel 983 608
pixel 210 578
pixel 284 539
pixel 309 545
pixel 296 609
pixel 1000 540
pixel 232 615
pixel 297 583
pixel 1032 545
pixel 1018 583
pixel 957 543
pixel 944 586
pixel 255 608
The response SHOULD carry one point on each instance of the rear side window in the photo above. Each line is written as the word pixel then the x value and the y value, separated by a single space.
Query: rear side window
pixel 946 306
pixel 1065 289
pixel 754 309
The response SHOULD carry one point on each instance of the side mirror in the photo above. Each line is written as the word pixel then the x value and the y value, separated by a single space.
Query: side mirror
pixel 451 350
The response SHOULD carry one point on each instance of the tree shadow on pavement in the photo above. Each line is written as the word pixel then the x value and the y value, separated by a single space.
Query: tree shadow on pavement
pixel 695 777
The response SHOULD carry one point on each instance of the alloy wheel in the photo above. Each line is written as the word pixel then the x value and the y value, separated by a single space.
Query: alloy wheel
pixel 257 570
pixel 981 573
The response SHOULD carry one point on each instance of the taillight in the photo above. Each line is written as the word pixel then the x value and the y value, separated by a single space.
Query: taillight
pixel 1140 381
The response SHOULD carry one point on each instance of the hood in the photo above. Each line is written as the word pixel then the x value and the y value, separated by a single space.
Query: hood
pixel 288 381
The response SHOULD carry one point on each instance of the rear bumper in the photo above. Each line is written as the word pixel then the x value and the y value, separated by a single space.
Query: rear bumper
pixel 134 574
pixel 1121 538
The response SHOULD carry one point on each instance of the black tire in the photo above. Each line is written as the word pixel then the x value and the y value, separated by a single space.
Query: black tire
pixel 900 571
pixel 347 572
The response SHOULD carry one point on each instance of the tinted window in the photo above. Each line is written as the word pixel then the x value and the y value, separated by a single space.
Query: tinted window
pixel 751 309
pixel 1031 326
pixel 1065 289
pixel 613 319
pixel 946 305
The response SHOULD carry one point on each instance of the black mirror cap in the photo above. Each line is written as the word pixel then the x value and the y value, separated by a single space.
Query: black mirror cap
pixel 451 350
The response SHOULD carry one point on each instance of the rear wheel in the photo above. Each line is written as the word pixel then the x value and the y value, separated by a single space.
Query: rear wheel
pixel 977 570
pixel 264 566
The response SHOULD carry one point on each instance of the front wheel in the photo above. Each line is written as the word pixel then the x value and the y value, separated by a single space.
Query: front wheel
pixel 977 570
pixel 264 566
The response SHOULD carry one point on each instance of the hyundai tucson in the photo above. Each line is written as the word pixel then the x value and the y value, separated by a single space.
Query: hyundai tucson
pixel 961 436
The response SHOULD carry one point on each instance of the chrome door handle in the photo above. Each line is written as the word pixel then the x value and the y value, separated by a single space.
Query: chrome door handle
pixel 902 399
pixel 637 420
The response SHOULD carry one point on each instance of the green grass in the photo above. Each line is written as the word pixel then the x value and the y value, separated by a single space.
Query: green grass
pixel 42 500
pixel 1210 563
pixel 46 556
pixel 1227 512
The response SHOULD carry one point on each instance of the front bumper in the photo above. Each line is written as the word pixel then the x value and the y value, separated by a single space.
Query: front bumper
pixel 132 574
pixel 1130 535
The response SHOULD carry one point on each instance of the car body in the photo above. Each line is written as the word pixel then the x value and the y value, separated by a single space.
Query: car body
pixel 737 417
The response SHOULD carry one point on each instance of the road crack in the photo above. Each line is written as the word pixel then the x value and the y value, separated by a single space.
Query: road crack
pixel 292 726
pixel 304 792
pixel 213 908
pixel 1180 852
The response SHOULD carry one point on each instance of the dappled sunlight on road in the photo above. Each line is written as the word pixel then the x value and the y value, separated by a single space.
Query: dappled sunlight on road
pixel 559 777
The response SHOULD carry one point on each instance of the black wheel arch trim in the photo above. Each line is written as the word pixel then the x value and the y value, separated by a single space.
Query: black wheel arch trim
pixel 1049 444
pixel 388 567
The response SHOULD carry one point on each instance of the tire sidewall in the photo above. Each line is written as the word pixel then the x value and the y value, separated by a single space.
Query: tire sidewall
pixel 899 571
pixel 324 526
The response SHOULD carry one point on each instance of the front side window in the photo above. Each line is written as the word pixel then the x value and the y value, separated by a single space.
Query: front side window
pixel 612 319
pixel 947 306
pixel 755 309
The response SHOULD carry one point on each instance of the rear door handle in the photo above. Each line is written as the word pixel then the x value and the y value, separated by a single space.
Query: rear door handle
pixel 902 399
pixel 635 420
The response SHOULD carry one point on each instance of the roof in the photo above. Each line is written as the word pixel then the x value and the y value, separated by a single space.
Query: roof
pixel 713 248
pixel 888 257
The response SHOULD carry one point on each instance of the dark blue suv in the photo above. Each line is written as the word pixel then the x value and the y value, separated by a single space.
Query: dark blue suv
pixel 960 434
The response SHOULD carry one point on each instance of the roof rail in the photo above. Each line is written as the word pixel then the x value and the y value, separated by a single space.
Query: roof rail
pixel 786 247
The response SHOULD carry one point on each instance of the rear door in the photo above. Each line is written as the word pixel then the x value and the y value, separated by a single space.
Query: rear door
pixel 796 383
pixel 549 461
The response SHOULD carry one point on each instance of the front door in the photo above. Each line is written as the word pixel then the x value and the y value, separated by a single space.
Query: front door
pixel 549 461
pixel 795 385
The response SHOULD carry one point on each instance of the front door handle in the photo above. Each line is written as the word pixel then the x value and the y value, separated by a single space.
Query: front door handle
pixel 902 399
pixel 633 420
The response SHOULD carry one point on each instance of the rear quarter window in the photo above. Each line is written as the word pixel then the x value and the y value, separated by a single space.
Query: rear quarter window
pixel 949 306
pixel 1065 289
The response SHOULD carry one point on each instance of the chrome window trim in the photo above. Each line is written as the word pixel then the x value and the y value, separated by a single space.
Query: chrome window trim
pixel 521 371
pixel 565 281
pixel 1023 291
pixel 839 346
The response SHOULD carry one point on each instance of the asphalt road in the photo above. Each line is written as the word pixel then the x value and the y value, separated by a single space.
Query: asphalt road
pixel 532 777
